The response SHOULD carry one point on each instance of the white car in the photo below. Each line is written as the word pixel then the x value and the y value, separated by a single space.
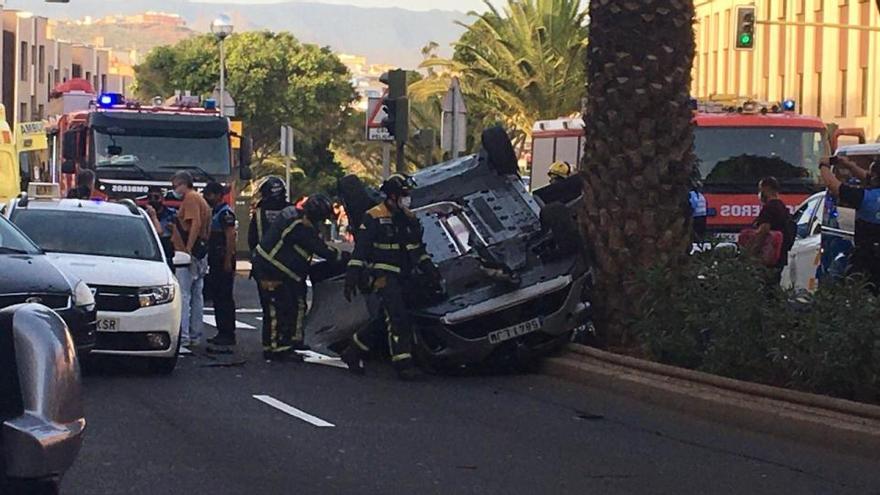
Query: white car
pixel 114 248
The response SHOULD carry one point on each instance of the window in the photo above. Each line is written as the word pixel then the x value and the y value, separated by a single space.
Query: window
pixel 800 96
pixel 77 71
pixel 11 240
pixel 843 95
pixel 103 82
pixel 22 112
pixel 33 108
pixel 41 67
pixel 23 61
pixel 863 92
pixel 41 111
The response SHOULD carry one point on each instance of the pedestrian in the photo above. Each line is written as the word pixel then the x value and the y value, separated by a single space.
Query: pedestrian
pixel 865 257
pixel 85 185
pixel 559 171
pixel 388 250
pixel 699 211
pixel 191 230
pixel 774 217
pixel 162 217
pixel 220 280
pixel 281 265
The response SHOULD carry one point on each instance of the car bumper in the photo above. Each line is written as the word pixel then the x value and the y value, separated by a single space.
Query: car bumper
pixel 456 345
pixel 153 331
pixel 81 323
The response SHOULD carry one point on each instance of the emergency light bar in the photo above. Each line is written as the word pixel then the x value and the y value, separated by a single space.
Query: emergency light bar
pixel 107 100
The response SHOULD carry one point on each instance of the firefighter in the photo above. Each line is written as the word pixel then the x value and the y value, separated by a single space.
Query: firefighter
pixel 559 171
pixel 388 250
pixel 220 280
pixel 281 264
pixel 273 199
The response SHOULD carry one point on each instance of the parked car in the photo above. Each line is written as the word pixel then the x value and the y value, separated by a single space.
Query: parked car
pixel 28 275
pixel 41 414
pixel 115 249
pixel 517 284
pixel 802 270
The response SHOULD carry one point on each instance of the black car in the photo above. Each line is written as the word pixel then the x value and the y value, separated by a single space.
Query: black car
pixel 30 277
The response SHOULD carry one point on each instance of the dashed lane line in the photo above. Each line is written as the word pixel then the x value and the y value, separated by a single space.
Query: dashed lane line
pixel 296 413
pixel 211 320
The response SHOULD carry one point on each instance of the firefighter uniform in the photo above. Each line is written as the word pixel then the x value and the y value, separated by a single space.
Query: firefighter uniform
pixel 388 248
pixel 219 282
pixel 281 265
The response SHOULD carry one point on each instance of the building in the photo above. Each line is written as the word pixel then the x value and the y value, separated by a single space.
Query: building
pixel 832 72
pixel 33 64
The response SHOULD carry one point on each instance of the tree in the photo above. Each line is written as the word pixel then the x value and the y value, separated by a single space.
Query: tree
pixel 274 80
pixel 639 151
pixel 516 65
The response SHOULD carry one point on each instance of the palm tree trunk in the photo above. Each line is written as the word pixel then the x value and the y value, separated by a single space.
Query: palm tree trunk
pixel 639 150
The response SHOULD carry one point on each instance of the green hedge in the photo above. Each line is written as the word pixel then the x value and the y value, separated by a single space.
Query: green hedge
pixel 720 315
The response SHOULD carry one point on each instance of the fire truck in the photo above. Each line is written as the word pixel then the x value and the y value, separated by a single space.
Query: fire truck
pixel 737 143
pixel 132 147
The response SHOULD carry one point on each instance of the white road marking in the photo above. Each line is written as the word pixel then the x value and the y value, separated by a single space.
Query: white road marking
pixel 244 311
pixel 211 320
pixel 296 413
pixel 318 358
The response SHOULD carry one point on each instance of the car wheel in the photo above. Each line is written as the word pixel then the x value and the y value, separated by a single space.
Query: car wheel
pixel 502 157
pixel 165 366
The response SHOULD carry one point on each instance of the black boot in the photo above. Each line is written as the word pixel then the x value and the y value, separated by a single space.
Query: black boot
pixel 354 359
pixel 406 370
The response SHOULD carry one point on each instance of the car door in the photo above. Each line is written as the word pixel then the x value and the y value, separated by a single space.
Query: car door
pixel 804 257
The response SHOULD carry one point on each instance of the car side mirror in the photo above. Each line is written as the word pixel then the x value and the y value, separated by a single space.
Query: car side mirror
pixel 68 167
pixel 182 259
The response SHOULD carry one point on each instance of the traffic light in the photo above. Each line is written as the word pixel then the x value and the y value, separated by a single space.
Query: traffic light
pixel 745 28
pixel 396 105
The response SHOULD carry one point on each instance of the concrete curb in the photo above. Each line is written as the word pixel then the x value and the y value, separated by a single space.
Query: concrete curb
pixel 842 425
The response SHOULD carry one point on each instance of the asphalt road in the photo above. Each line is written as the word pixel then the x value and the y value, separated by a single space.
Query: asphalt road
pixel 201 431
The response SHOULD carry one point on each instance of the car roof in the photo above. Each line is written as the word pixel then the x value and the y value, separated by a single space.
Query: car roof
pixel 859 149
pixel 81 205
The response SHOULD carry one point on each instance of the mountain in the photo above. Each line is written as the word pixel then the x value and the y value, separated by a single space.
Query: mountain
pixel 384 35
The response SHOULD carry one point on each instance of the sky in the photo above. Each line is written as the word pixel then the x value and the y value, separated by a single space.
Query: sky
pixel 461 5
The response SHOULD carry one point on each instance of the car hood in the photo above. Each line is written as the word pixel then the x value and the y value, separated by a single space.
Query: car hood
pixel 31 273
pixel 103 270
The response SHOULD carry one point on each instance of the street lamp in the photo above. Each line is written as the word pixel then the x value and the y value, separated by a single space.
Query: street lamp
pixel 222 27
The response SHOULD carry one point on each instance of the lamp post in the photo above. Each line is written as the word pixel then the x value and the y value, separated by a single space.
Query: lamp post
pixel 221 28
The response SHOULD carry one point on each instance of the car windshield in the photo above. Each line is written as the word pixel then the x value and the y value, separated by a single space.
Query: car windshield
pixel 742 156
pixel 154 152
pixel 12 241
pixel 120 236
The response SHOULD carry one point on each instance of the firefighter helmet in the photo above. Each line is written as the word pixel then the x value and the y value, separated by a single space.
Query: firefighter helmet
pixel 560 170
pixel 397 185
pixel 318 208
pixel 273 189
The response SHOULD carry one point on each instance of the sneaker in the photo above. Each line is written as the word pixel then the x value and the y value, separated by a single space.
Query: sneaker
pixel 300 346
pixel 184 351
pixel 354 360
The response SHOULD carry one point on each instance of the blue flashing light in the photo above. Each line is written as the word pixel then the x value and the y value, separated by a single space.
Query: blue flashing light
pixel 210 104
pixel 789 105
pixel 110 99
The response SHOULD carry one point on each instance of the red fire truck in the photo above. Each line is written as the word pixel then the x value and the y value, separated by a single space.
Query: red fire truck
pixel 736 144
pixel 132 147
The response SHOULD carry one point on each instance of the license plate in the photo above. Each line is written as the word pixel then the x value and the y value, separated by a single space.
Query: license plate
pixel 108 324
pixel 515 331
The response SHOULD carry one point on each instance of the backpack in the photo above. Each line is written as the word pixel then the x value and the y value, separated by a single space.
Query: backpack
pixel 788 236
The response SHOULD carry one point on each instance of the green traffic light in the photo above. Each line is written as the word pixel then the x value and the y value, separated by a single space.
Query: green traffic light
pixel 745 39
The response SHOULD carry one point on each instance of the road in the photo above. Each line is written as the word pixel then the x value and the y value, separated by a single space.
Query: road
pixel 201 431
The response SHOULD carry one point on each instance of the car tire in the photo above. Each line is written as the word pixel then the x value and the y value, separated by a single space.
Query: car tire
pixel 502 157
pixel 164 366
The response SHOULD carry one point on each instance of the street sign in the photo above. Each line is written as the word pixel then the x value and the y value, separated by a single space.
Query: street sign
pixel 453 130
pixel 375 115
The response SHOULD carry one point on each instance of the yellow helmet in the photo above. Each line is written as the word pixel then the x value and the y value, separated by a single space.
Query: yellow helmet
pixel 561 170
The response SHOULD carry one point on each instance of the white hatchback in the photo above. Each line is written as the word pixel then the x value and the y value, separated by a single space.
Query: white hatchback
pixel 114 248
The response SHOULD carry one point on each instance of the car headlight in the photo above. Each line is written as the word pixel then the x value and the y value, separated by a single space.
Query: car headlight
pixel 152 296
pixel 83 296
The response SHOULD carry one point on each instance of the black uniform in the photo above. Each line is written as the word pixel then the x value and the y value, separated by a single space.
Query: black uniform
pixel 281 265
pixel 388 248
pixel 865 258
pixel 219 283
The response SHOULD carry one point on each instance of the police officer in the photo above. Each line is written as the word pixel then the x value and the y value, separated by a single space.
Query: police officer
pixel 220 279
pixel 388 249
pixel 281 264
pixel 699 210
pixel 865 258
pixel 559 171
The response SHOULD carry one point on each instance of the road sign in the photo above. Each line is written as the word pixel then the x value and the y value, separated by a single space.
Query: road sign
pixel 453 131
pixel 375 115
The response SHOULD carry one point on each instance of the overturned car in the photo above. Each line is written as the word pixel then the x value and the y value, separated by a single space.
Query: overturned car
pixel 517 280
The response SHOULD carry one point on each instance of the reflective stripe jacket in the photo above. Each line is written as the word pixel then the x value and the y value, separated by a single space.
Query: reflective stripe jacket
pixel 262 219
pixel 389 243
pixel 287 248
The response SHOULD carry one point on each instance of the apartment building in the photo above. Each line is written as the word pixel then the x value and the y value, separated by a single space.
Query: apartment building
pixel 33 64
pixel 831 71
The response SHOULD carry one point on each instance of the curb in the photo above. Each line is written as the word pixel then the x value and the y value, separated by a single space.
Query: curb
pixel 842 425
